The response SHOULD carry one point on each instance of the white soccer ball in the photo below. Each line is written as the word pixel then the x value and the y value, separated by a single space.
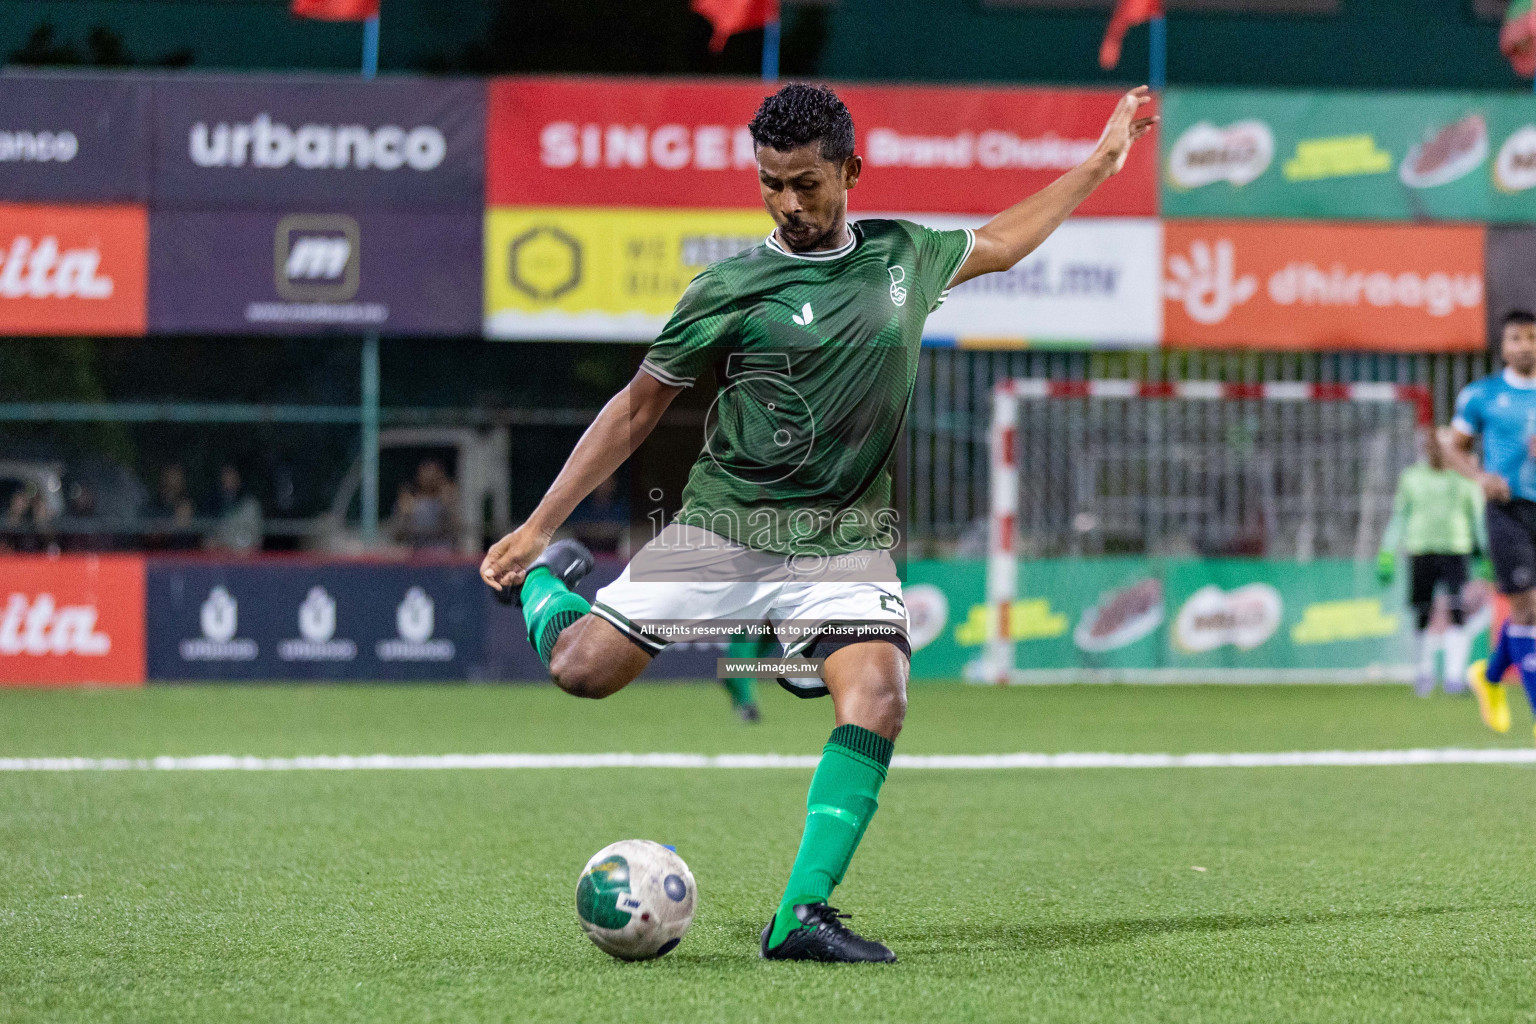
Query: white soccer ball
pixel 635 899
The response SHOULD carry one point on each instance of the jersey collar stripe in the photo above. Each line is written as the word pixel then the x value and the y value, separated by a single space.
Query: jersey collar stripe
pixel 815 257
pixel 1514 380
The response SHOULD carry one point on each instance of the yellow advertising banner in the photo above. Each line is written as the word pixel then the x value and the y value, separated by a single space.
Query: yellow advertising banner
pixel 598 274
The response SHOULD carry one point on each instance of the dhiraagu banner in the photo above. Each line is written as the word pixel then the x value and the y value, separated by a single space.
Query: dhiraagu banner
pixel 1180 619
pixel 606 274
pixel 1349 155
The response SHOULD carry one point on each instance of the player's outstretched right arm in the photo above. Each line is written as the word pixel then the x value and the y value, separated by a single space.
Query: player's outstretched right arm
pixel 624 423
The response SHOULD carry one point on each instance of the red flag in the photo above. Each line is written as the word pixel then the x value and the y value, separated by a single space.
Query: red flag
pixel 336 10
pixel 1518 37
pixel 732 16
pixel 1127 13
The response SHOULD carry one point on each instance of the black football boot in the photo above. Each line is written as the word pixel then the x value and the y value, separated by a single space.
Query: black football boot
pixel 825 939
pixel 568 560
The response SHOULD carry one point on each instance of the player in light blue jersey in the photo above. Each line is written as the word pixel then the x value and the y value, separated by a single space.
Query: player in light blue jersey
pixel 1501 410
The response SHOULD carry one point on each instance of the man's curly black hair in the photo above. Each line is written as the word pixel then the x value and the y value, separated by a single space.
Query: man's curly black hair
pixel 800 114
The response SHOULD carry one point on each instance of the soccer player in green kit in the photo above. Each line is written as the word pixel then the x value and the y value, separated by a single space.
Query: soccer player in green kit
pixel 787 515
pixel 1437 515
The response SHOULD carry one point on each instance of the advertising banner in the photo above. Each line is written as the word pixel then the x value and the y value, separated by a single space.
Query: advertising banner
pixel 650 143
pixel 80 138
pixel 335 620
pixel 601 274
pixel 71 619
pixel 314 621
pixel 72 269
pixel 265 143
pixel 1288 285
pixel 1510 274
pixel 302 273
pixel 1094 282
pixel 1126 617
pixel 615 274
pixel 1349 155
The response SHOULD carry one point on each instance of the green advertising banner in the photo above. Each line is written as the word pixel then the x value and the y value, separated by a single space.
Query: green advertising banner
pixel 1349 155
pixel 1128 618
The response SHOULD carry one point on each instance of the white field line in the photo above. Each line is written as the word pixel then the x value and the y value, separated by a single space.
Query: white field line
pixel 443 762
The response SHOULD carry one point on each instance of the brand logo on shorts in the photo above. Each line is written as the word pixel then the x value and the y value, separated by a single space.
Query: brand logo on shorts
pixel 317 257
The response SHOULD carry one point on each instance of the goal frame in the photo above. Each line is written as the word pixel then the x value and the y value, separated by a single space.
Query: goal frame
pixel 997 664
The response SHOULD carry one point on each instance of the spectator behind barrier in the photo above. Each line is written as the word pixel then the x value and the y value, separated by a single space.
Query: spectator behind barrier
pixel 426 515
pixel 239 526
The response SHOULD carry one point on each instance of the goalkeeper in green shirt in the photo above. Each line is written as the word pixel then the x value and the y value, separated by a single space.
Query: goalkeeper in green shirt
pixel 1437 517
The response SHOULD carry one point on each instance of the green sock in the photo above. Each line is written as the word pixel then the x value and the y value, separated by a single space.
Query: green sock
pixel 743 691
pixel 548 607
pixel 844 794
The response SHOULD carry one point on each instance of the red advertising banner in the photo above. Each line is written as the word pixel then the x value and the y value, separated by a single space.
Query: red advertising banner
pixel 70 620
pixel 73 269
pixel 1308 285
pixel 653 143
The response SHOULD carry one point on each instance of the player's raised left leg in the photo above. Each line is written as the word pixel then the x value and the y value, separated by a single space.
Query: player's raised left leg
pixel 868 684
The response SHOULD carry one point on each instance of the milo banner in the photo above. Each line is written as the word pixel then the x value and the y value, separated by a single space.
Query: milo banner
pixel 1176 619
pixel 1348 155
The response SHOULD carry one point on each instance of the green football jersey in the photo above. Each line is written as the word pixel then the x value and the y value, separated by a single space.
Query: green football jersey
pixel 816 356
pixel 1436 511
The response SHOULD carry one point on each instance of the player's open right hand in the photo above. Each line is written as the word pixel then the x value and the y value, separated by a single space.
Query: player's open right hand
pixel 508 560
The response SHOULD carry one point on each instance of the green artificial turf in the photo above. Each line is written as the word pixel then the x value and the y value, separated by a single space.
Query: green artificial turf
pixel 1329 894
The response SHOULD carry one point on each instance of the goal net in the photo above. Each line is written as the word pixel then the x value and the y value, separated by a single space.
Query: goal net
pixel 1288 470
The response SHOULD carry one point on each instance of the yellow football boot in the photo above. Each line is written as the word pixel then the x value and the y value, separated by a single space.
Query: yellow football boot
pixel 1492 701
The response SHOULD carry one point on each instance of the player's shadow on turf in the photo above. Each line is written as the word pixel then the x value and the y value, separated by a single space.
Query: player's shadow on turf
pixel 1086 934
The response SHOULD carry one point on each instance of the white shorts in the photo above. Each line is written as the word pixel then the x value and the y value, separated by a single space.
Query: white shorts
pixel 706 591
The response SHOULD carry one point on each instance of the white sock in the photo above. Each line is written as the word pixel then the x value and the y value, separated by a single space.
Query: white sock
pixel 1423 654
pixel 1458 648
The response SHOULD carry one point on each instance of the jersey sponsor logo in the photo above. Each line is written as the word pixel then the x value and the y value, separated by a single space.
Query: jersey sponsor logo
pixel 72 269
pixel 1205 154
pixel 72 619
pixel 805 316
pixel 267 144
pixel 898 291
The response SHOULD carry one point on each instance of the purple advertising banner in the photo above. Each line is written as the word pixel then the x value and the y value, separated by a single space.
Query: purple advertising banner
pixel 314 272
pixel 264 143
pixel 73 137
pixel 1509 269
